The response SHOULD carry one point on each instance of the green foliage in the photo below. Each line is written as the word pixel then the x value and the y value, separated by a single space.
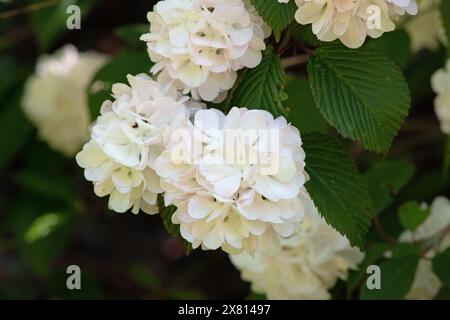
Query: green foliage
pixel 337 188
pixel 304 35
pixel 42 226
pixel 133 61
pixel 385 180
pixel 395 45
pixel 412 215
pixel 441 267
pixel 397 275
pixel 277 15
pixel 15 129
pixel 361 93
pixel 447 157
pixel 50 21
pixel 263 86
pixel 304 114
pixel 132 33
pixel 143 276
pixel 372 255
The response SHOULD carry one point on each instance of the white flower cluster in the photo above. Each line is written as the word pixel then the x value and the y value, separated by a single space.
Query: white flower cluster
pixel 426 30
pixel 440 82
pixel 243 204
pixel 308 265
pixel 434 232
pixel 351 21
pixel 126 140
pixel 55 97
pixel 198 45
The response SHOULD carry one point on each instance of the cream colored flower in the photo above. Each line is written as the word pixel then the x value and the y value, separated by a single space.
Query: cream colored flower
pixel 435 231
pixel 55 98
pixel 440 83
pixel 309 264
pixel 235 203
pixel 198 45
pixel 426 30
pixel 351 21
pixel 126 140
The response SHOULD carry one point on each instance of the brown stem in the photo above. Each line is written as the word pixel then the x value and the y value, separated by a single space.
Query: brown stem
pixel 380 230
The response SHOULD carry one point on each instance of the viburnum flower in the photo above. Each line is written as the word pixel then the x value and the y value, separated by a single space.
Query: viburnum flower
pixel 426 30
pixel 308 265
pixel 238 196
pixel 127 138
pixel 55 98
pixel 440 83
pixel 351 21
pixel 198 45
pixel 434 234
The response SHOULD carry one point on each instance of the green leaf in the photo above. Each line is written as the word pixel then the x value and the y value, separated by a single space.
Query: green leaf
pixel 303 34
pixel 57 187
pixel 277 15
pixel 263 86
pixel 441 267
pixel 397 276
pixel 49 22
pixel 131 33
pixel 42 226
pixel 15 129
pixel 395 45
pixel 337 188
pixel 361 93
pixel 145 277
pixel 405 249
pixel 128 62
pixel 445 15
pixel 386 179
pixel 412 215
pixel 443 294
pixel 372 255
pixel 304 114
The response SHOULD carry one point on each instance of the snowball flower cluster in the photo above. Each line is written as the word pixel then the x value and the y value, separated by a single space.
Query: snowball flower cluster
pixel 351 21
pixel 309 264
pixel 238 196
pixel 426 30
pixel 55 97
pixel 440 82
pixel 198 45
pixel 434 234
pixel 126 140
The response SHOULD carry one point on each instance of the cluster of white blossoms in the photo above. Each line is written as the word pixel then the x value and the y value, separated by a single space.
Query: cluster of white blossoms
pixel 351 21
pixel 127 138
pixel 440 82
pixel 426 30
pixel 198 45
pixel 55 98
pixel 237 183
pixel 309 264
pixel 434 234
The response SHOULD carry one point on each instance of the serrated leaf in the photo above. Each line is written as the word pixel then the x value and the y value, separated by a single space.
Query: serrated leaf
pixel 263 86
pixel 304 114
pixel 395 45
pixel 277 15
pixel 337 188
pixel 412 215
pixel 116 70
pixel 397 276
pixel 386 179
pixel 361 93
pixel 303 34
pixel 441 267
